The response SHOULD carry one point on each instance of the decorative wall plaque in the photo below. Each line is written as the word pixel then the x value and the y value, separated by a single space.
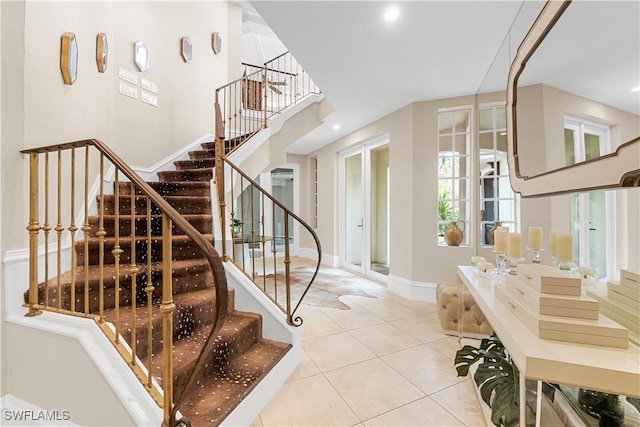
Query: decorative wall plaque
pixel 141 56
pixel 216 42
pixel 69 58
pixel 102 50
pixel 186 49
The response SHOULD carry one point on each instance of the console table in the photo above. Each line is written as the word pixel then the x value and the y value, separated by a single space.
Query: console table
pixel 605 369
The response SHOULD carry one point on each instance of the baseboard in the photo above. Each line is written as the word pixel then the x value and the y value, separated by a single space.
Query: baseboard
pixel 16 273
pixel 327 259
pixel 418 291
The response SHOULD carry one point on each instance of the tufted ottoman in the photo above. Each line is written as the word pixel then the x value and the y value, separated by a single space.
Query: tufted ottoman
pixel 474 324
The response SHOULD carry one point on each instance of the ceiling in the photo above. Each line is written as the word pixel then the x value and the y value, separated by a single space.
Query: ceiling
pixel 368 67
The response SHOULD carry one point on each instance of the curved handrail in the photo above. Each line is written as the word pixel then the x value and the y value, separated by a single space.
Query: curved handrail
pixel 212 256
pixel 297 321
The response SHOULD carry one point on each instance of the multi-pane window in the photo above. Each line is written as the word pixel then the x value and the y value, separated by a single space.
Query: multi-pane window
pixel 497 199
pixel 454 142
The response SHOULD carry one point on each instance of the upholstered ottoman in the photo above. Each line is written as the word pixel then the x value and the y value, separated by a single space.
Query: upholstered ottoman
pixel 474 324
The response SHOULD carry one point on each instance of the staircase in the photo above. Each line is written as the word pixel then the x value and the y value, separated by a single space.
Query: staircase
pixel 240 356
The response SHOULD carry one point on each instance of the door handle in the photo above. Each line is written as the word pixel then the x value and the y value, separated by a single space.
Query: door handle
pixel 360 225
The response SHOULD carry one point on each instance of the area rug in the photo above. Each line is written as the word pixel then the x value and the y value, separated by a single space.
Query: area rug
pixel 329 285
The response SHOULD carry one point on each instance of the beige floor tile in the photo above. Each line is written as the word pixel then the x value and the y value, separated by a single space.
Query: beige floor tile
pixel 384 339
pixel 427 369
pixel 447 346
pixel 359 300
pixel 389 310
pixel 335 351
pixel 306 368
pixel 355 318
pixel 422 328
pixel 371 388
pixel 461 401
pixel 319 325
pixel 424 412
pixel 418 306
pixel 308 402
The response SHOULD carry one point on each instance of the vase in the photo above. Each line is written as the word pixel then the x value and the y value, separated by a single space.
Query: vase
pixel 492 231
pixel 454 234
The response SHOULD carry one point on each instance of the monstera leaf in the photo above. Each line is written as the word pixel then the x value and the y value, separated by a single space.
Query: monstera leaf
pixel 468 355
pixel 497 380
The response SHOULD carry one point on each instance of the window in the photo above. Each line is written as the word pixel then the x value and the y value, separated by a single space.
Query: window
pixel 454 141
pixel 592 214
pixel 497 199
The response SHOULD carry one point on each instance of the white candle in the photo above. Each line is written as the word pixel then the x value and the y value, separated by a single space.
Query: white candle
pixel 552 242
pixel 514 245
pixel 500 241
pixel 535 237
pixel 564 247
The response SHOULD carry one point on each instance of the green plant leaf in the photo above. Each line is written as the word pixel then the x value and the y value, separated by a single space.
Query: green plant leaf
pixel 468 355
pixel 497 380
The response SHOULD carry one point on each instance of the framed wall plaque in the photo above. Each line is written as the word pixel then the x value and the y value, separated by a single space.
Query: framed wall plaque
pixel 141 56
pixel 216 42
pixel 69 58
pixel 102 50
pixel 186 49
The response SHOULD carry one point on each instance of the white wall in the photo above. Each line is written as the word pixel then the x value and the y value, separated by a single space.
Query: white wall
pixel 39 110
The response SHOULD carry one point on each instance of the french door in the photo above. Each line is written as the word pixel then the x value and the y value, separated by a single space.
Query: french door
pixel 364 225
pixel 591 213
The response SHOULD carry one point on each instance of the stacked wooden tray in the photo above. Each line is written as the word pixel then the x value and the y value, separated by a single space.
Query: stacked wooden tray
pixel 550 303
pixel 620 301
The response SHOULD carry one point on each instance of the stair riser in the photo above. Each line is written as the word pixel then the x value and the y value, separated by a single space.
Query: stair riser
pixel 171 188
pixel 202 154
pixel 186 175
pixel 206 163
pixel 203 225
pixel 186 205
pixel 180 251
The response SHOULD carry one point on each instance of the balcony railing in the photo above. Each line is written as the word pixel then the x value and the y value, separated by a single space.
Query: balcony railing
pixel 248 103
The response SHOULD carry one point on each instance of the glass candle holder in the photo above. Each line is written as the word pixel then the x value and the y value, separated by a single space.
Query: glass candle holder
pixel 513 265
pixel 568 266
pixel 501 263
pixel 535 254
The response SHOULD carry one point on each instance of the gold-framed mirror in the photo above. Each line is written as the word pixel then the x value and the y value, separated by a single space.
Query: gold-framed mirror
pixel 69 58
pixel 572 113
pixel 102 51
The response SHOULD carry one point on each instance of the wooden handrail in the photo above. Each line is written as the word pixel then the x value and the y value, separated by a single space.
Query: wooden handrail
pixel 209 252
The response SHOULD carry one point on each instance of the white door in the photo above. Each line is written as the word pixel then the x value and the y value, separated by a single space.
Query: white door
pixel 364 229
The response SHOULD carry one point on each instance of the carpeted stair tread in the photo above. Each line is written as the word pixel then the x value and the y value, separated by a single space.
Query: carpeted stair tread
pixel 185 274
pixel 201 222
pixel 202 154
pixel 240 331
pixel 186 175
pixel 195 163
pixel 220 393
pixel 178 188
pixel 185 204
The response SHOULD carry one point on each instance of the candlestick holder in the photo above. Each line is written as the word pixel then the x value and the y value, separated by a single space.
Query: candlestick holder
pixel 568 266
pixel 535 254
pixel 501 263
pixel 513 265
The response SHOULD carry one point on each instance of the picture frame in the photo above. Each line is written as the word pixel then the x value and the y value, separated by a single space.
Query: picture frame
pixel 69 58
pixel 102 51
pixel 186 49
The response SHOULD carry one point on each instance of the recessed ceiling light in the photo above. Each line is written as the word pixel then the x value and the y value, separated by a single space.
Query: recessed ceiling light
pixel 391 14
pixel 636 89
pixel 336 127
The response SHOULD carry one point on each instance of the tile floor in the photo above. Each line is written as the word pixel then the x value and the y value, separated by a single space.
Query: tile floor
pixel 385 362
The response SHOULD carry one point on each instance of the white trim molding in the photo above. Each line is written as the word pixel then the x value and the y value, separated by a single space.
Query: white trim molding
pixel 417 291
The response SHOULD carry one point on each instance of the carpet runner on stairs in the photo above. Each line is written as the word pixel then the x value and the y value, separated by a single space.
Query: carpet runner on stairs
pixel 240 357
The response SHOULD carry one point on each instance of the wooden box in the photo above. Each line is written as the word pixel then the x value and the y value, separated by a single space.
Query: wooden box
pixel 602 332
pixel 624 293
pixel 580 306
pixel 549 280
